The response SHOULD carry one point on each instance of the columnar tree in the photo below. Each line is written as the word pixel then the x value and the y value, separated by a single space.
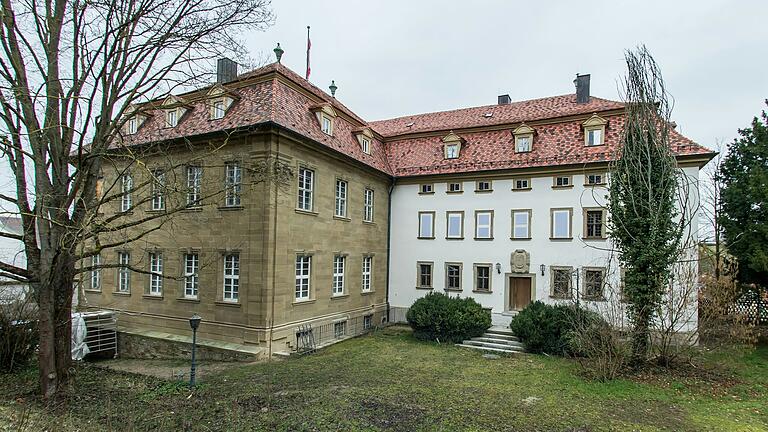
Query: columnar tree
pixel 70 72
pixel 643 195
pixel 744 197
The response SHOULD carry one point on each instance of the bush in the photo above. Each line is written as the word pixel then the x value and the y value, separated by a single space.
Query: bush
pixel 603 352
pixel 545 328
pixel 18 335
pixel 447 319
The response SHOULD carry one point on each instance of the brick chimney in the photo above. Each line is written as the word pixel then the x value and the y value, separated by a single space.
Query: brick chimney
pixel 582 88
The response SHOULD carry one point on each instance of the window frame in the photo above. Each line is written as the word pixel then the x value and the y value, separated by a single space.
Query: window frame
pixel 305 191
pixel 366 274
pixel 602 179
pixel 448 215
pixel 365 144
pixel 338 272
pixel 603 272
pixel 231 282
pixel 301 278
pixel 233 184
pixel 420 275
pixel 558 184
pixel 191 281
pixel 194 185
pixel 585 217
pixel 426 189
pixel 432 225
pixel 458 277
pixel 479 190
pixel 452 145
pixel 340 200
pixel 490 224
pixel 552 292
pixel 96 272
pixel 158 190
pixel 133 125
pixel 155 274
pixel 552 224
pixel 368 205
pixel 457 191
pixel 590 129
pixel 529 137
pixel 124 272
pixel 516 187
pixel 218 114
pixel 528 212
pixel 326 120
pixel 126 191
pixel 476 277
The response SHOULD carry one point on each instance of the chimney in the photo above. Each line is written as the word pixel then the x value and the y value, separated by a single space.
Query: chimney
pixel 582 88
pixel 226 70
pixel 505 99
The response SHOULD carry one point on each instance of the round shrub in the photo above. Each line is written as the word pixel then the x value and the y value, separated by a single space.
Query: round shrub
pixel 546 329
pixel 443 318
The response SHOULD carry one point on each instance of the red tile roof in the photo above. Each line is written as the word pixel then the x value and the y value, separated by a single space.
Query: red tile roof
pixel 412 144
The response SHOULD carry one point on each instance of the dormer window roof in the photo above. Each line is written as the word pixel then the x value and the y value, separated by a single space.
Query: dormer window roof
pixel 523 138
pixel 452 146
pixel 175 108
pixel 135 120
pixel 594 130
pixel 365 138
pixel 325 116
pixel 220 99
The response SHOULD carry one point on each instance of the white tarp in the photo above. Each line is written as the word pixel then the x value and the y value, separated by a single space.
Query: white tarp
pixel 79 331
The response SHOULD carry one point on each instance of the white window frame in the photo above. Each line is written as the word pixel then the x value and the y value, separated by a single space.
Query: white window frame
pixel 231 286
pixel 96 272
pixel 480 183
pixel 368 205
pixel 431 224
pixel 600 131
pixel 367 322
pixel 339 329
pixel 339 267
pixel 155 273
pixel 126 188
pixel 233 181
pixel 172 118
pixel 426 189
pixel 194 183
pixel 366 144
pixel 305 192
pixel 517 184
pixel 326 124
pixel 516 224
pixel 342 190
pixel 123 272
pixel 596 177
pixel 527 139
pixel 453 215
pixel 218 109
pixel 191 275
pixel 569 219
pixel 158 186
pixel 459 188
pixel 303 272
pixel 367 272
pixel 452 151
pixel 133 125
pixel 488 225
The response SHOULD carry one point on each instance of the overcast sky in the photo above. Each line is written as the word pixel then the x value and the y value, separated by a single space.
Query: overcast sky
pixel 392 58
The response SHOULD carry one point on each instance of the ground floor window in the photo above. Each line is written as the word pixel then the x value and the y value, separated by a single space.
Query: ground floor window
pixel 156 273
pixel 452 276
pixel 367 322
pixel 124 273
pixel 303 268
pixel 482 277
pixel 231 277
pixel 367 266
pixel 339 262
pixel 424 277
pixel 339 329
pixel 561 282
pixel 593 283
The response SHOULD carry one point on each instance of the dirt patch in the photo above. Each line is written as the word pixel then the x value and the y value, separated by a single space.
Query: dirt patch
pixel 709 379
pixel 172 370
pixel 389 416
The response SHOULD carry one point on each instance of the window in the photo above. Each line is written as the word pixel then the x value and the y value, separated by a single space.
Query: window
pixel 366 144
pixel 424 276
pixel 426 189
pixel 341 198
pixel 191 268
pixel 521 224
pixel 561 282
pixel 593 224
pixel 158 190
pixel 562 181
pixel 194 180
pixel 233 180
pixel 593 283
pixel 594 137
pixel 483 277
pixel 367 268
pixel 367 322
pixel 595 179
pixel 368 205
pixel 218 110
pixel 306 183
pixel 126 188
pixel 426 225
pixel 133 125
pixel 327 125
pixel 483 186
pixel 171 118
pixel 303 268
pixel 523 144
pixel 124 272
pixel 340 329
pixel 483 224
pixel 561 223
pixel 155 273
pixel 96 272
pixel 339 262
pixel 231 277
pixel 452 276
pixel 451 151
pixel 454 225
pixel 521 184
pixel 454 187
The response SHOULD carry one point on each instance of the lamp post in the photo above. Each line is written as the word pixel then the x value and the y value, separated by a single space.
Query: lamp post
pixel 194 322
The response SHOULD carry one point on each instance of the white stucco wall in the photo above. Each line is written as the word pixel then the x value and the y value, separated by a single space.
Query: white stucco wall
pixel 407 249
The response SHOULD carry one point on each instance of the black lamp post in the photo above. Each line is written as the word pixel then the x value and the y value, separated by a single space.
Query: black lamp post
pixel 194 322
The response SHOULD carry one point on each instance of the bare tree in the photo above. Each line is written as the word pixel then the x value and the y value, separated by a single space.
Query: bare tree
pixel 71 72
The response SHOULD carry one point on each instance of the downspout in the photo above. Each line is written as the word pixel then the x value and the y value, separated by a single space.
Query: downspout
pixel 389 240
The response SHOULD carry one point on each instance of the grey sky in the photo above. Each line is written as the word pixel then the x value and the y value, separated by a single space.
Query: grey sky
pixel 392 58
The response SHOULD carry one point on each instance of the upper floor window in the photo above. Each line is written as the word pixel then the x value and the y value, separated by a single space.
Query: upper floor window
pixel 194 182
pixel 426 225
pixel 219 100
pixel 454 187
pixel 521 224
pixel 233 180
pixel 594 130
pixel 454 225
pixel 427 188
pixel 561 223
pixel 452 145
pixel 327 125
pixel 126 190
pixel 366 145
pixel 452 151
pixel 306 186
pixel 155 273
pixel 483 224
pixel 171 118
pixel 368 205
pixel 231 277
pixel 562 181
pixel 96 272
pixel 191 277
pixel 595 179
pixel 523 138
pixel 341 198
pixel 133 125
pixel 303 269
pixel 364 136
pixel 339 262
pixel 158 190
pixel 521 184
pixel 124 272
pixel 366 271
pixel 594 223
pixel 218 110
pixel 483 186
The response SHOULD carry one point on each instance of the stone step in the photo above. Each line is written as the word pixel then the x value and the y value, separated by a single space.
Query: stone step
pixel 501 336
pixel 500 331
pixel 516 346
pixel 511 342
pixel 484 348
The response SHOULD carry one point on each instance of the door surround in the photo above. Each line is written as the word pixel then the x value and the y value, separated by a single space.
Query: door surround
pixel 508 288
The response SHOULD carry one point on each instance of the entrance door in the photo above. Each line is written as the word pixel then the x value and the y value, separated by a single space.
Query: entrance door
pixel 520 295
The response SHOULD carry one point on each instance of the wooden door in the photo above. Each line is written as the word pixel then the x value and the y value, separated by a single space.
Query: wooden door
pixel 520 297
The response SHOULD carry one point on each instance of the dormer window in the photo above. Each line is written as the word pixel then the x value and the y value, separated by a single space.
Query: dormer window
pixel 364 136
pixel 366 144
pixel 325 115
pixel 133 125
pixel 218 110
pixel 219 101
pixel 327 125
pixel 171 118
pixel 452 146
pixel 175 107
pixel 594 131
pixel 523 138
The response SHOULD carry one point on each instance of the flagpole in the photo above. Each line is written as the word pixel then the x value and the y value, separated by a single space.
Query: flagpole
pixel 309 45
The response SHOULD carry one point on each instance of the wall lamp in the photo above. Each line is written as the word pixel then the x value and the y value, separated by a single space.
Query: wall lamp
pixel 498 268
pixel 542 267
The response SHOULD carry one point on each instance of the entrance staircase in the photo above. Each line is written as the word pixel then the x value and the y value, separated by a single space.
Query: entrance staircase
pixel 497 340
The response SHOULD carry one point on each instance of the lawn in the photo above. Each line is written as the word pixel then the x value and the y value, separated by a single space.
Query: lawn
pixel 390 381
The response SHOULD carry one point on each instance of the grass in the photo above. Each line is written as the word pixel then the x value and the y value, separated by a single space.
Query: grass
pixel 390 381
